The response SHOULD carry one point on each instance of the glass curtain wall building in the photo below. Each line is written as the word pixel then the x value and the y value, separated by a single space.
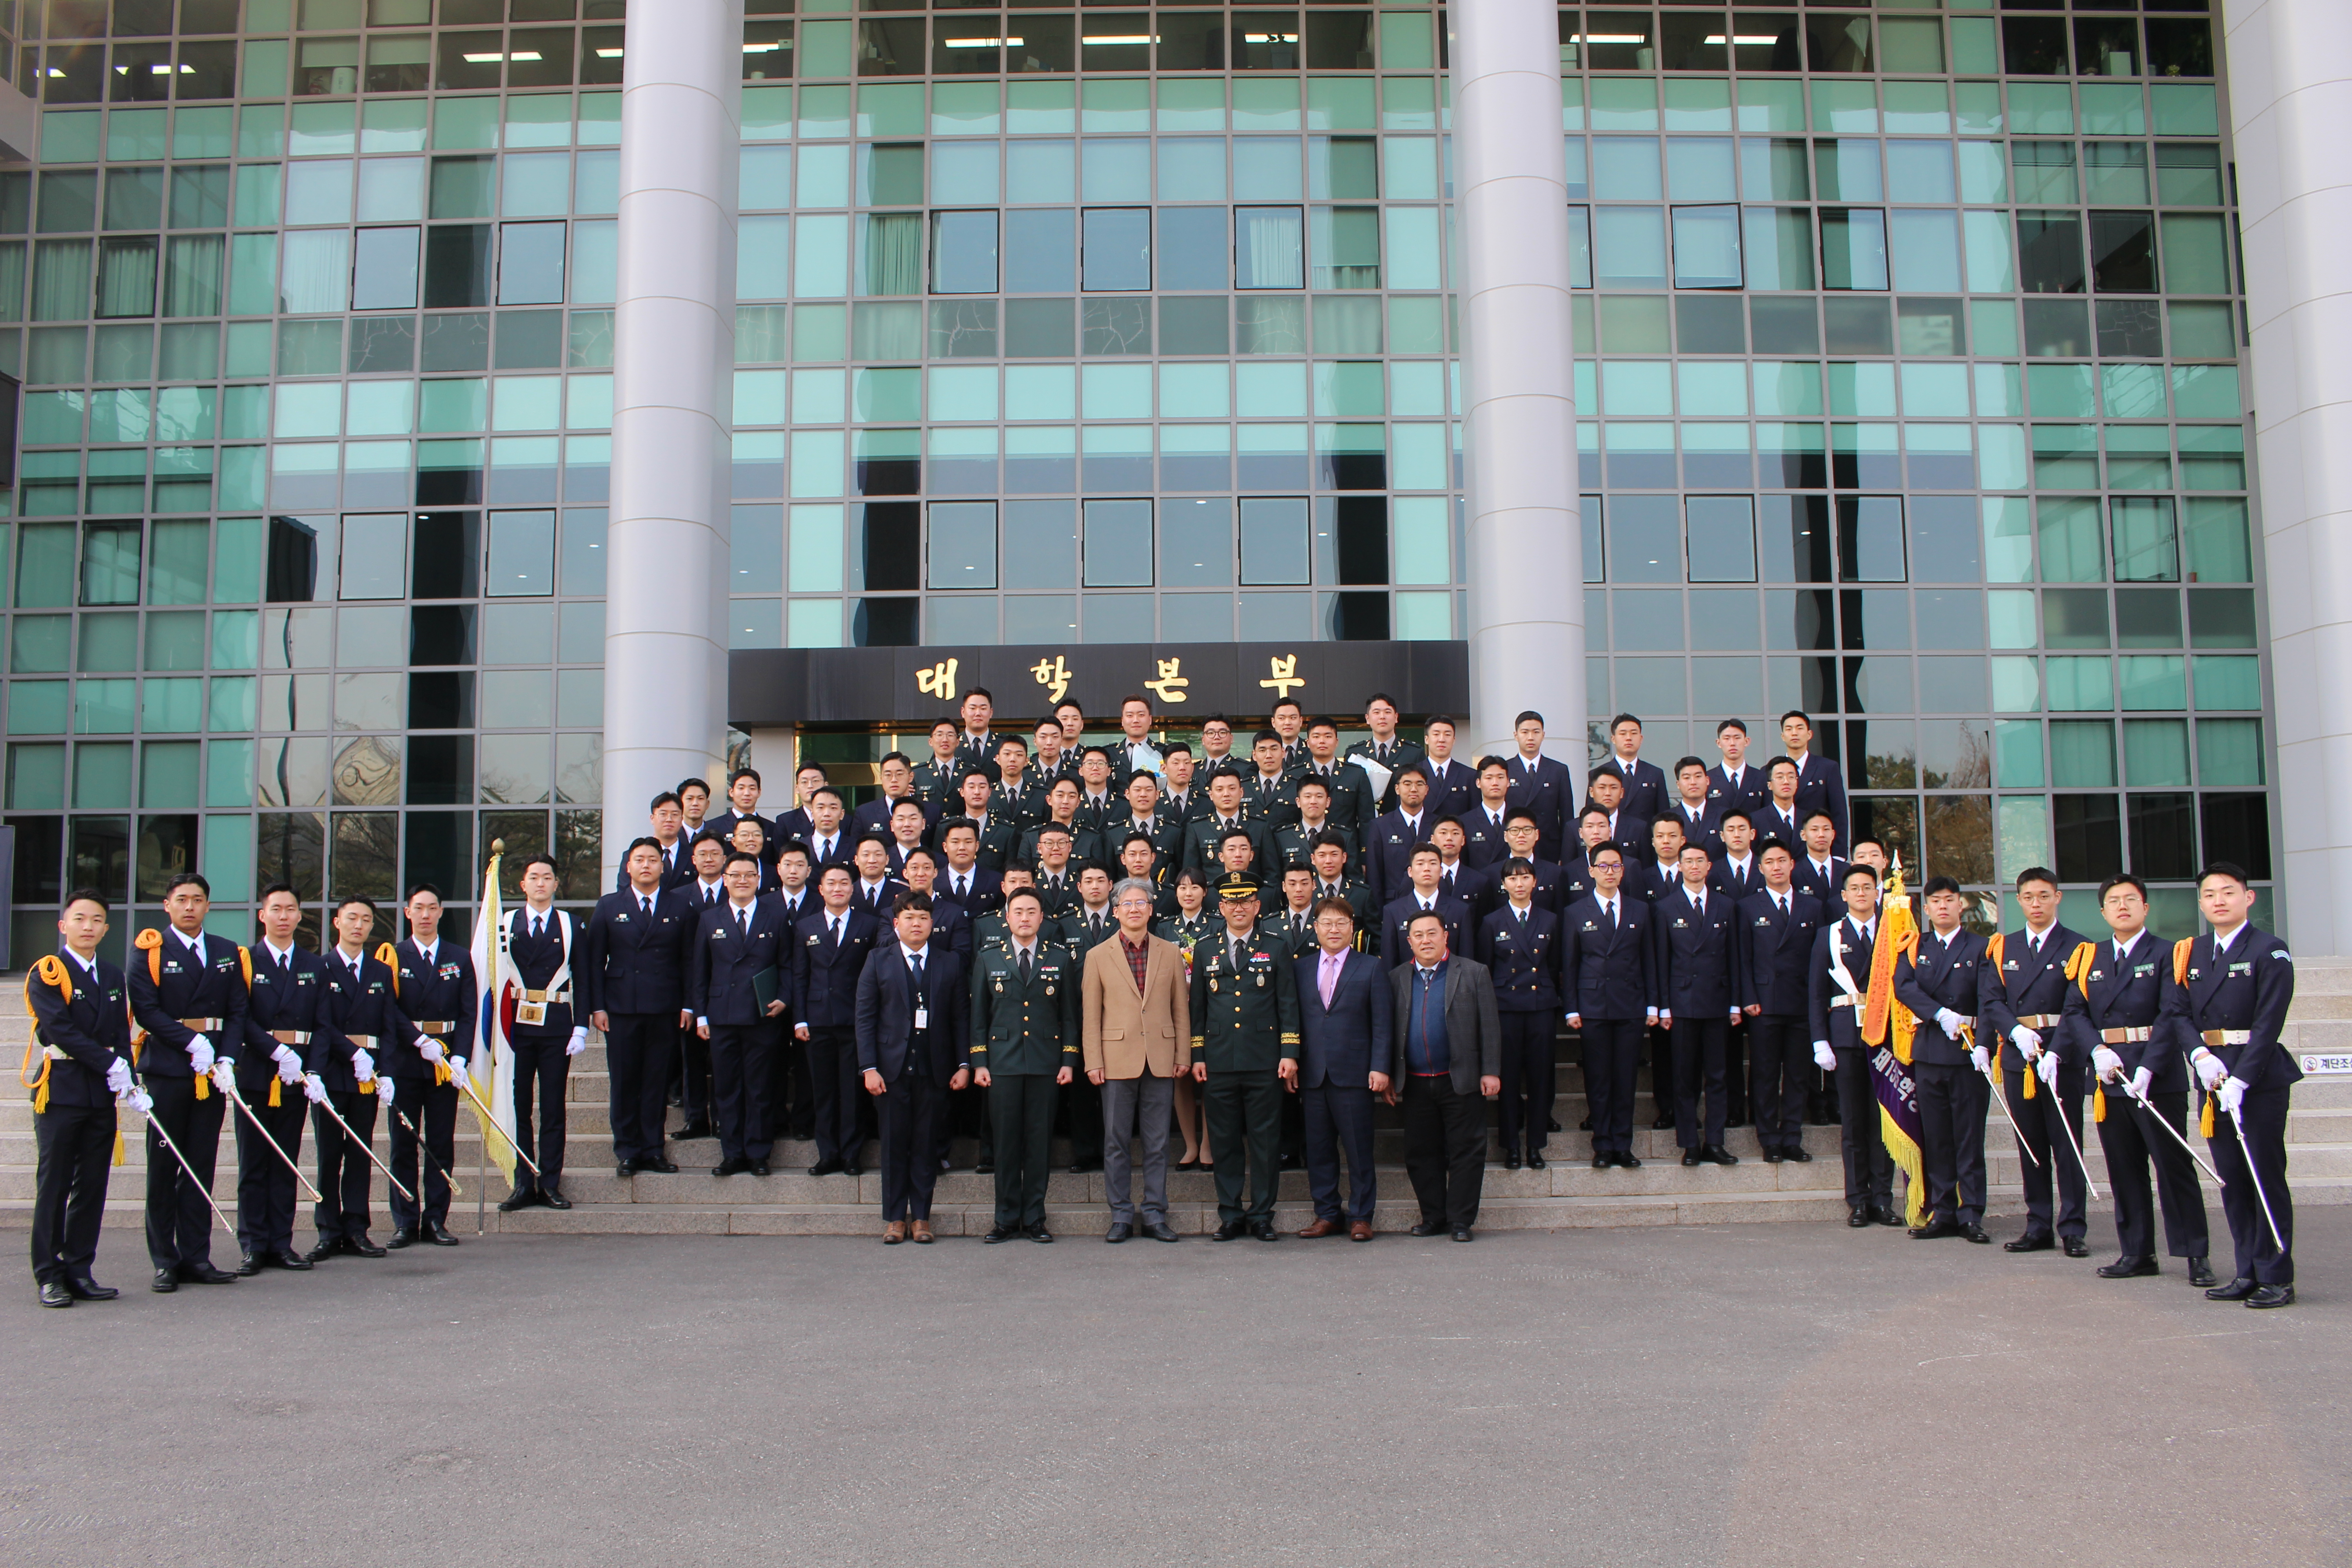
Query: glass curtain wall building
pixel 1906 353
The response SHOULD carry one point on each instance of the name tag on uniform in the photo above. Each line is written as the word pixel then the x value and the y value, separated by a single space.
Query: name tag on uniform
pixel 2011 964
pixel 2144 971
pixel 922 1017
pixel 2098 974
pixel 620 920
pixel 2245 966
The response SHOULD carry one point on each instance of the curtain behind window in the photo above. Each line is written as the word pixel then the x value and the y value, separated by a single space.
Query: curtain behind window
pixel 61 281
pixel 1269 247
pixel 893 254
pixel 192 275
pixel 126 277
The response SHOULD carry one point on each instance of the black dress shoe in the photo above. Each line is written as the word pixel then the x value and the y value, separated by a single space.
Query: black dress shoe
pixel 1425 1228
pixel 1263 1229
pixel 1976 1232
pixel 1160 1230
pixel 553 1198
pixel 55 1294
pixel 2273 1296
pixel 360 1246
pixel 1552 1123
pixel 400 1238
pixel 759 1167
pixel 1293 1161
pixel 626 1168
pixel 249 1265
pixel 326 1248
pixel 852 1168
pixel 2237 1289
pixel 1626 1161
pixel 696 1129
pixel 658 1165
pixel 2074 1246
pixel 1716 1155
pixel 437 1234
pixel 1797 1156
pixel 1663 1124
pixel 85 1288
pixel 1510 1162
pixel 1735 1122
pixel 2030 1242
pixel 826 1168
pixel 1119 1231
pixel 1886 1216
pixel 291 1261
pixel 1188 1164
pixel 997 1232
pixel 1771 1156
pixel 1462 1233
pixel 1039 1232
pixel 1935 1230
pixel 2128 1268
pixel 1584 1126
pixel 1232 1230
pixel 1535 1162
pixel 2200 1272
pixel 1857 1219
pixel 1602 1161
pixel 1690 1156
pixel 983 1167
pixel 730 1166
pixel 165 1282
pixel 206 1274
pixel 520 1198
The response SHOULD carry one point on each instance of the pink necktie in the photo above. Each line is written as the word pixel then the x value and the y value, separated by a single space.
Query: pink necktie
pixel 1331 978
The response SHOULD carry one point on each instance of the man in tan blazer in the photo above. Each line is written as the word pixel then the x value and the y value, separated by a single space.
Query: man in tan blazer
pixel 1138 1040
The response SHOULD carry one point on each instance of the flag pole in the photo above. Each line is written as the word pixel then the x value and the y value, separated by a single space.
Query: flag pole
pixel 482 1149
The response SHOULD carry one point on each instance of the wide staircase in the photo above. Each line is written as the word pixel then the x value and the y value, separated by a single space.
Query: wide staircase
pixel 1568 1194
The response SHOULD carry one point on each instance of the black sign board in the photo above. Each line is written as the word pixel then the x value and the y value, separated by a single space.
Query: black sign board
pixel 767 688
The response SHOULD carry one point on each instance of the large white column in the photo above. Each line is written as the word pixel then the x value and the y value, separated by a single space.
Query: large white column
pixel 2290 65
pixel 673 361
pixel 1510 212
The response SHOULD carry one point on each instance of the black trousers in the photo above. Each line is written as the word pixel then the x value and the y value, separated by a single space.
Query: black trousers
pixel 965 1116
pixel 1021 1125
pixel 636 1057
pixel 179 1216
pixel 420 1105
pixel 1737 1109
pixel 694 1071
pixel 265 1184
pixel 75 1146
pixel 1529 1046
pixel 1444 1148
pixel 2259 1258
pixel 1662 1070
pixel 1082 1122
pixel 1339 1120
pixel 540 1071
pixel 1869 1168
pixel 794 1111
pixel 1699 1047
pixel 2131 1142
pixel 742 1077
pixel 1612 1056
pixel 908 1116
pixel 2037 1122
pixel 1294 1130
pixel 1952 1105
pixel 836 1087
pixel 344 1171
pixel 1242 1112
pixel 1782 1059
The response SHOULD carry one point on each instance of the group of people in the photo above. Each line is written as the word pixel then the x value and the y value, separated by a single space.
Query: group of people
pixel 1246 948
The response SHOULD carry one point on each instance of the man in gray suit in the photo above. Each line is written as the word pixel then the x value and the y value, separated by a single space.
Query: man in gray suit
pixel 1450 1063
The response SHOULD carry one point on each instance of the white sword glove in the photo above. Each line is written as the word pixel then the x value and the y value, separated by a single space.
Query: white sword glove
pixel 457 1073
pixel 200 1054
pixel 433 1049
pixel 2107 1063
pixel 314 1089
pixel 1949 1022
pixel 2232 1094
pixel 118 1075
pixel 2026 1040
pixel 2046 1064
pixel 1824 1058
pixel 289 1066
pixel 2210 1070
pixel 1980 1058
pixel 2140 1078
pixel 224 1078
pixel 363 1066
pixel 577 1044
pixel 383 1088
pixel 139 1099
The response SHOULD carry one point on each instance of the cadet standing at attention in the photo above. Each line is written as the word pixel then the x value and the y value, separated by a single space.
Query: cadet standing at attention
pixel 81 1037
pixel 1024 1042
pixel 1245 1054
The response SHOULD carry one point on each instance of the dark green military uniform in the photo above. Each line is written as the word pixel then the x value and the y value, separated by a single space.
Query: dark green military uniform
pixel 1293 845
pixel 1024 1031
pixel 1000 840
pixel 1244 1026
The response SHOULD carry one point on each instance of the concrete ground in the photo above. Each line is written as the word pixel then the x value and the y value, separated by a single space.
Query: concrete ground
pixel 1774 1394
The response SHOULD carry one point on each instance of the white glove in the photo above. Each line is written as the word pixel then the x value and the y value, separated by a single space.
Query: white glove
pixel 2046 1064
pixel 457 1072
pixel 2232 1094
pixel 2210 1070
pixel 2140 1078
pixel 139 1099
pixel 200 1054
pixel 289 1066
pixel 1824 1058
pixel 576 1044
pixel 1980 1058
pixel 1949 1022
pixel 118 1075
pixel 433 1049
pixel 2107 1063
pixel 314 1089
pixel 383 1090
pixel 224 1077
pixel 363 1066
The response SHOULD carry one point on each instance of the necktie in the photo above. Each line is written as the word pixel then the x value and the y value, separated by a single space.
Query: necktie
pixel 963 887
pixel 1331 976
pixel 1782 900
pixel 648 904
pixel 1698 904
pixel 1024 967
pixel 1523 919
pixel 535 925
pixel 836 933
pixel 1609 912
pixel 285 962
pixel 743 921
pixel 915 973
pixel 1237 954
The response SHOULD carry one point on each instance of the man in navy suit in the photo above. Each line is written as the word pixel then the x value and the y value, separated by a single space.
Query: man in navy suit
pixel 2022 1001
pixel 979 890
pixel 1645 782
pixel 1837 980
pixel 1698 816
pixel 1939 980
pixel 542 942
pixel 1424 894
pixel 2110 1020
pixel 1389 846
pixel 1821 871
pixel 288 983
pixel 1486 820
pixel 1347 1054
pixel 1776 816
pixel 433 980
pixel 2235 988
pixel 830 946
pixel 1735 781
pixel 1519 945
pixel 676 845
pixel 1819 785
pixel 913 1048
pixel 1543 784
pixel 633 972
pixel 1777 926
pixel 83 1034
pixel 739 953
pixel 897 771
pixel 358 1019
pixel 1453 783
pixel 743 805
pixel 1608 988
pixel 1698 954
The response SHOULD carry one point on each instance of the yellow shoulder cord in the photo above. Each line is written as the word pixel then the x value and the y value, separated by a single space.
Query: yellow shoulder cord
pixel 389 956
pixel 150 942
pixel 2181 951
pixel 2078 970
pixel 51 971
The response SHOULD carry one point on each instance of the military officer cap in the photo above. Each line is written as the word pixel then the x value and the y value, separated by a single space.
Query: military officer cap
pixel 1236 886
